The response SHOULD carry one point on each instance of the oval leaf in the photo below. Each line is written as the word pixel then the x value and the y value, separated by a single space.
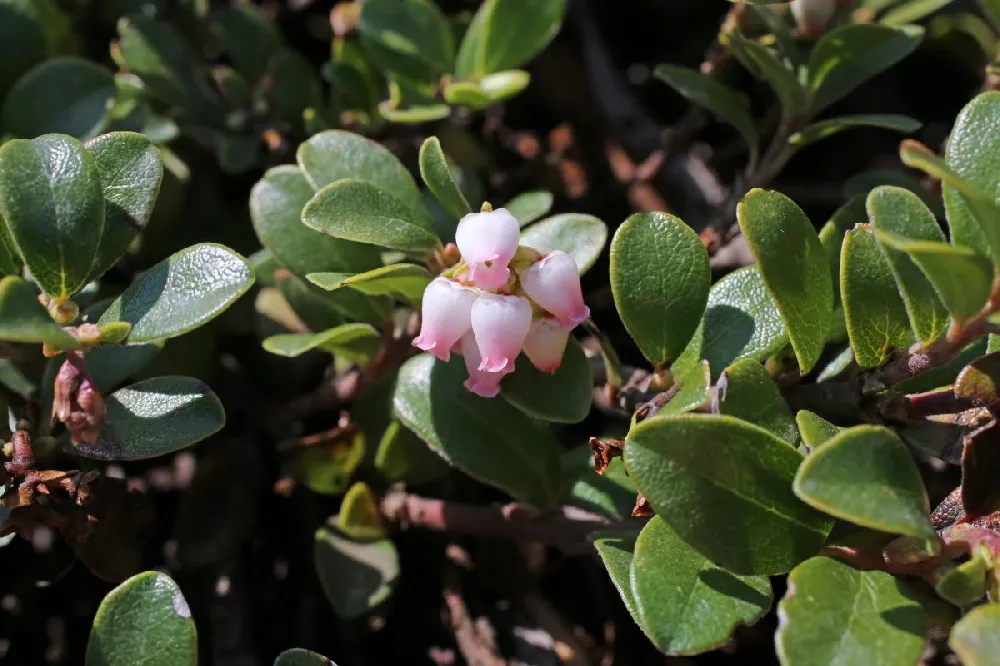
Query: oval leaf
pixel 976 637
pixel 356 576
pixel 530 206
pixel 23 319
pixel 616 551
pixel 815 429
pixel 409 37
pixel 499 38
pixel 660 301
pixel 563 396
pixel 581 236
pixel 356 342
pixel 300 657
pixel 487 439
pixel 831 126
pixel 437 176
pixel 405 282
pixel 745 390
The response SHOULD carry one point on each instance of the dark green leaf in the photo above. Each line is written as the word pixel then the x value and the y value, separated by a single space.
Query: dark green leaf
pixel 616 551
pixel 670 579
pixel 660 302
pixel 63 95
pixel 826 128
pixel 489 440
pixel 248 36
pixel 181 293
pixel 576 234
pixel 23 319
pixel 611 493
pixel 402 456
pixel 409 37
pixel 861 184
pixel 794 267
pixel 529 206
pixel 144 620
pixel 155 417
pixel 976 637
pixel 564 396
pixel 300 657
pixel 327 467
pixel 402 281
pixel 764 64
pixel 505 34
pixel 746 391
pixel 356 576
pixel 24 41
pixel 835 614
pixel 725 486
pixel 831 237
pixel 877 322
pixel 695 389
pixel 437 176
pixel 866 475
pixel 50 194
pixel 295 90
pixel 355 342
pixel 815 429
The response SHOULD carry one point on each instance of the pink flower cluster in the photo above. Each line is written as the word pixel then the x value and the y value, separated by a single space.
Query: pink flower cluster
pixel 489 314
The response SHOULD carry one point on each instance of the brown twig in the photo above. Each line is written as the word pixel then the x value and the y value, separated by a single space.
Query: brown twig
pixel 931 403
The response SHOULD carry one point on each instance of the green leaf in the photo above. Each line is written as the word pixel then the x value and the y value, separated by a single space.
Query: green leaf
pixel 405 282
pixel 248 36
pixel 489 440
pixel 695 390
pixel 827 128
pixel 877 322
pixel 360 211
pixel 563 397
pixel 831 237
pixel 409 37
pixel 660 302
pixel 155 417
pixel 300 657
pixel 979 381
pixel 794 267
pixel 860 185
pixel 402 456
pixel 899 211
pixel 962 277
pixel 582 236
pixel 327 467
pixel 63 95
pixel 23 319
pixel 866 475
pixel 131 171
pixel 745 390
pixel 295 91
pixel 764 64
pixel 530 206
pixel 669 579
pixel 359 516
pixel 815 429
pixel 335 155
pixel 467 94
pixel 835 614
pixel 437 176
pixel 912 11
pixel 500 86
pixel 717 97
pixel 144 620
pixel 500 38
pixel 611 493
pixel 181 293
pixel 973 155
pixel 50 194
pixel 965 583
pixel 976 637
pixel 616 550
pixel 24 39
pixel 355 342
pixel 847 56
pixel 356 576
pixel 725 486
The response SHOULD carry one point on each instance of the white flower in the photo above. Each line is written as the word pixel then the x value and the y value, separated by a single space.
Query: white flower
pixel 482 383
pixel 546 343
pixel 446 315
pixel 554 283
pixel 500 324
pixel 487 242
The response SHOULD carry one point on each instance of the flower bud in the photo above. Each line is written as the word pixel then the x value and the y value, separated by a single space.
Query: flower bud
pixel 554 283
pixel 546 343
pixel 813 16
pixel 500 324
pixel 445 316
pixel 482 383
pixel 487 242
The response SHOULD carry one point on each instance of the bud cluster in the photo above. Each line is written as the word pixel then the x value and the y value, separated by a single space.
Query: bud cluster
pixel 500 300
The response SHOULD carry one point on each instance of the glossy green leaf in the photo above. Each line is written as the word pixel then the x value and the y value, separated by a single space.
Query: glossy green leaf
pixel 815 430
pixel 794 267
pixel 847 56
pixel 877 322
pixel 831 126
pixel 402 456
pixel 835 614
pixel 300 657
pixel 660 302
pixel 616 550
pixel 724 486
pixel 899 211
pixel 131 171
pixel 500 38
pixel 62 95
pixel 866 475
pixel 564 396
pixel 321 310
pixel 181 293
pixel 356 576
pixel 355 342
pixel 746 391
pixel 487 439
pixel 670 579
pixel 50 194
pixel 530 206
pixel 976 637
pixel 837 365
pixel 439 180
pixel 961 276
pixel 144 620
pixel 409 37
pixel 717 97
pixel 763 63
pixel 23 319
pixel 403 281
pixel 155 417
pixel 360 211
pixel 582 236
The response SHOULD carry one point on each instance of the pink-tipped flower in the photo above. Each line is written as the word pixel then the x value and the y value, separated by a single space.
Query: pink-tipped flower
pixel 546 343
pixel 487 242
pixel 500 323
pixel 446 315
pixel 482 383
pixel 554 283
pixel 813 16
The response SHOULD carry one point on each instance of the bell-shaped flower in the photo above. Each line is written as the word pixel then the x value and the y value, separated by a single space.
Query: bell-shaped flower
pixel 500 324
pixel 482 383
pixel 813 16
pixel 554 283
pixel 546 343
pixel 446 315
pixel 487 242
